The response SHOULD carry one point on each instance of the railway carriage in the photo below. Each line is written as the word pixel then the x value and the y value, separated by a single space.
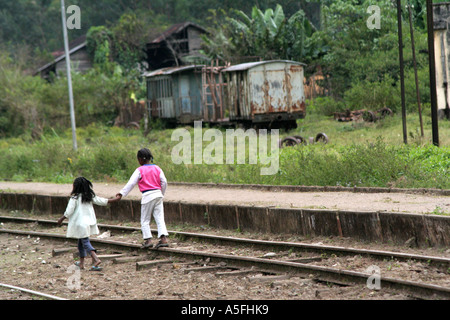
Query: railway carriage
pixel 174 94
pixel 264 94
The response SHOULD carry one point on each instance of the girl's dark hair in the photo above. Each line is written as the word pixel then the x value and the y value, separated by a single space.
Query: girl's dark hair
pixel 83 187
pixel 145 154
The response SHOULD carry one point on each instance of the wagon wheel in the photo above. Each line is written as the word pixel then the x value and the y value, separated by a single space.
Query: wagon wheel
pixel 322 137
pixel 300 139
pixel 369 116
pixel 133 125
pixel 288 142
pixel 385 112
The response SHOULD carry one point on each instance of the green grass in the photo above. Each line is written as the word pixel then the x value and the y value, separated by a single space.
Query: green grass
pixel 390 129
pixel 358 154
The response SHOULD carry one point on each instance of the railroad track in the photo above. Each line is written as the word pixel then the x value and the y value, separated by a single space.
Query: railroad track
pixel 32 293
pixel 236 256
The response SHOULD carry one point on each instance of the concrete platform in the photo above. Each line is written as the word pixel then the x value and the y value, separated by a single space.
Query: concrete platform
pixel 427 230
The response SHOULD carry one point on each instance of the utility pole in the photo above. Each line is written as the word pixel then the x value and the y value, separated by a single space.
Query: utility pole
pixel 432 68
pixel 402 71
pixel 413 49
pixel 69 75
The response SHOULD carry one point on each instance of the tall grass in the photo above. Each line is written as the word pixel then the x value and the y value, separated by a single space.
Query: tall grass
pixel 357 155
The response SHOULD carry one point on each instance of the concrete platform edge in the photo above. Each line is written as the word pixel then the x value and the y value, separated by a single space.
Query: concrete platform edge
pixel 384 227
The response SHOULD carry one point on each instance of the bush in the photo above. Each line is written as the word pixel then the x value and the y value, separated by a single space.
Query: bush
pixel 324 106
pixel 373 96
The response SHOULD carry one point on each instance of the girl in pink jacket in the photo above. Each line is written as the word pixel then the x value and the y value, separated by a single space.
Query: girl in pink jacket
pixel 152 183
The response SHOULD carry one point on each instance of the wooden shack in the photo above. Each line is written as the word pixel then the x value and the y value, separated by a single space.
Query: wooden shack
pixel 79 59
pixel 178 42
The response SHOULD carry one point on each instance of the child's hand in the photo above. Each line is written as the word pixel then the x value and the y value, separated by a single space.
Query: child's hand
pixel 117 198
pixel 60 220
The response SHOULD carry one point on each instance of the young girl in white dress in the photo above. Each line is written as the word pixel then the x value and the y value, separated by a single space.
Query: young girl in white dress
pixel 82 221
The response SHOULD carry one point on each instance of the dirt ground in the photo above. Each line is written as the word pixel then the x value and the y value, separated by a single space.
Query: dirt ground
pixel 392 202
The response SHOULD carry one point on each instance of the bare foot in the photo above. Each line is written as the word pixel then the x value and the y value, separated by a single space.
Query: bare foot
pixel 95 260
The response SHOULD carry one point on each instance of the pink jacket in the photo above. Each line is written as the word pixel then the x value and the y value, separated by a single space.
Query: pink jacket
pixel 150 177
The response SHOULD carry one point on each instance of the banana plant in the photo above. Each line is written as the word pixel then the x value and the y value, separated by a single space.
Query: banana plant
pixel 270 34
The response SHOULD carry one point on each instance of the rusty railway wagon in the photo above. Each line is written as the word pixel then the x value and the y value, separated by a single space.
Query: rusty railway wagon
pixel 264 94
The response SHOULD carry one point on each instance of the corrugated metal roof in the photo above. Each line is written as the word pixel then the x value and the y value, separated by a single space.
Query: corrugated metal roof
pixel 249 65
pixel 170 70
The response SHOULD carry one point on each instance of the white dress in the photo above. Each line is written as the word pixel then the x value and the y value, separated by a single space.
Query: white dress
pixel 81 215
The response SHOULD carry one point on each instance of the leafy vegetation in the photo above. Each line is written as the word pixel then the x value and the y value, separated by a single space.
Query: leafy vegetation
pixel 268 35
pixel 355 156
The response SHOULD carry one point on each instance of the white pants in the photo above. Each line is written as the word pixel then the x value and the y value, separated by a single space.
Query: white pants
pixel 156 208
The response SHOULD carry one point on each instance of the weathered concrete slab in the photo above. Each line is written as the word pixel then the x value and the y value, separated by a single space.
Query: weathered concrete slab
pixel 223 216
pixel 136 210
pixel 103 212
pixel 319 222
pixel 24 202
pixel 59 205
pixel 398 228
pixel 8 201
pixel 172 212
pixel 194 213
pixel 360 225
pixel 253 219
pixel 282 220
pixel 41 204
pixel 122 210
pixel 438 228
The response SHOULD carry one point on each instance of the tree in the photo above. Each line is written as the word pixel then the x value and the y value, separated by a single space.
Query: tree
pixel 268 35
pixel 99 41
pixel 129 41
pixel 362 63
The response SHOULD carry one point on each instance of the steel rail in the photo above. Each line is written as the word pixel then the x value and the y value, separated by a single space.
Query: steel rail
pixel 279 245
pixel 35 293
pixel 416 289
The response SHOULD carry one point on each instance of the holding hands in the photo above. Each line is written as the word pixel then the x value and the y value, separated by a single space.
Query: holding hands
pixel 117 198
